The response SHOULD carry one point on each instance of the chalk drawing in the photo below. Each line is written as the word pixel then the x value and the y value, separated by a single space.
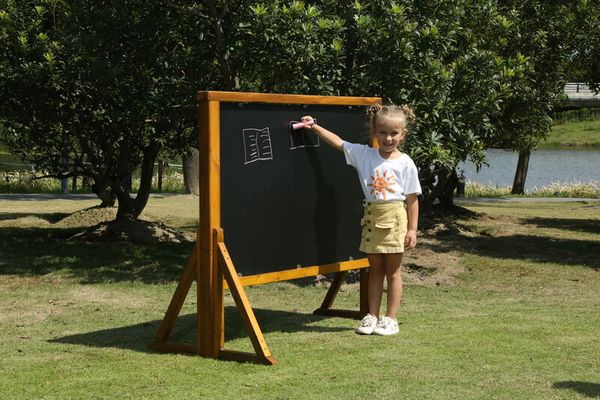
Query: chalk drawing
pixel 257 145
pixel 301 138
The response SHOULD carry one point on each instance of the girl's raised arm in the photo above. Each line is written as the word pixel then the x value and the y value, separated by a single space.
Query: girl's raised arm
pixel 329 137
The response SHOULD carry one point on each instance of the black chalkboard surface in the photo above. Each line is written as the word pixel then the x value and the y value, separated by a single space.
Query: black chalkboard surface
pixel 287 199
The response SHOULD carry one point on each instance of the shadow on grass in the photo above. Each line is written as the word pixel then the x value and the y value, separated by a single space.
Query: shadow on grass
pixel 536 248
pixel 527 247
pixel 50 217
pixel 587 389
pixel 42 251
pixel 578 225
pixel 137 337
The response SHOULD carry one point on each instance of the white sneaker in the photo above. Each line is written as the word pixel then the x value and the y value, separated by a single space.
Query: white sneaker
pixel 386 326
pixel 367 325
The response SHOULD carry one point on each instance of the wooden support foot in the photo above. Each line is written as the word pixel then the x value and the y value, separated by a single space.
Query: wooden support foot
pixel 337 282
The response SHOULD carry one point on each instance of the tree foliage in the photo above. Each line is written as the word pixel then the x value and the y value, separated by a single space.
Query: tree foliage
pixel 586 57
pixel 99 89
pixel 479 74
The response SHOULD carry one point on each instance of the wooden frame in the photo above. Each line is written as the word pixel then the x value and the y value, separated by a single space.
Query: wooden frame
pixel 210 264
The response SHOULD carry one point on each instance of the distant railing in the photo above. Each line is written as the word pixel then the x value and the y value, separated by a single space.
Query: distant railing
pixel 580 94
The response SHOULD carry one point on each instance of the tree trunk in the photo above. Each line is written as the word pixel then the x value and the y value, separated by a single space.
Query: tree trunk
pixel 521 173
pixel 439 191
pixel 126 205
pixel 104 193
pixel 191 171
pixel 130 208
pixel 161 171
pixel 447 193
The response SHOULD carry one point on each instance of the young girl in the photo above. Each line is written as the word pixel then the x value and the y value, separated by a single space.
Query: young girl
pixel 390 184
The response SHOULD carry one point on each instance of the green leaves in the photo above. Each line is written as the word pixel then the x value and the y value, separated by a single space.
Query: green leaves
pixel 94 89
pixel 337 44
pixel 288 47
pixel 120 77
pixel 259 10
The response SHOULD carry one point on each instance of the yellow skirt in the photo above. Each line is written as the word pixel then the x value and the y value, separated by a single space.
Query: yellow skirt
pixel 384 227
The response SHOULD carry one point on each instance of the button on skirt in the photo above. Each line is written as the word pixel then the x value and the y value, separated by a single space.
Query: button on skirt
pixel 384 227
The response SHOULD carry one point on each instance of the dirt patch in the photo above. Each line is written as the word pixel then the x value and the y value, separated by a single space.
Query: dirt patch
pixel 100 225
pixel 137 231
pixel 427 265
pixel 88 217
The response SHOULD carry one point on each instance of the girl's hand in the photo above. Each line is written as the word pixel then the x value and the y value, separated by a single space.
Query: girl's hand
pixel 310 120
pixel 411 239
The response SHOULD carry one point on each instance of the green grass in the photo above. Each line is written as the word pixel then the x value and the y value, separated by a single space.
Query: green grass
pixel 574 134
pixel 520 323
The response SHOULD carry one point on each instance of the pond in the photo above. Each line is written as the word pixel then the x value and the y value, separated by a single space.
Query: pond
pixel 546 166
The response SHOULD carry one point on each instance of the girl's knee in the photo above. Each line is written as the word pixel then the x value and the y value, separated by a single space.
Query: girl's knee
pixel 393 270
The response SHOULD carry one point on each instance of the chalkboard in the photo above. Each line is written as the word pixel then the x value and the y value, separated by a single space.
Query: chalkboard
pixel 287 199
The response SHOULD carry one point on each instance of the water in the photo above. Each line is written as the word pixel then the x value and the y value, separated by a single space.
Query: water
pixel 545 167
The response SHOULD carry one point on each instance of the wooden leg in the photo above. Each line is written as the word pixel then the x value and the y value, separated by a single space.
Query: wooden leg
pixel 218 323
pixel 338 279
pixel 210 291
pixel 326 309
pixel 183 287
pixel 204 305
pixel 263 355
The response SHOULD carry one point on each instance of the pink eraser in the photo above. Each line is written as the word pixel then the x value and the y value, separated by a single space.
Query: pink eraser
pixel 300 125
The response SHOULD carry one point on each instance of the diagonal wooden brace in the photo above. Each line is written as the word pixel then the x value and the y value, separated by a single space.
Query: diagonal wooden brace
pixel 263 355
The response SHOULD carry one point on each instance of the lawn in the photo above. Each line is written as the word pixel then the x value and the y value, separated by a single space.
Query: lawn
pixel 574 134
pixel 516 318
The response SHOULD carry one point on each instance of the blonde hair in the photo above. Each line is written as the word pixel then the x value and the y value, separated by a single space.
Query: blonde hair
pixel 404 113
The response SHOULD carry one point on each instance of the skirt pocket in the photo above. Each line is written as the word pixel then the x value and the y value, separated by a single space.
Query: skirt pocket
pixel 386 224
pixel 384 228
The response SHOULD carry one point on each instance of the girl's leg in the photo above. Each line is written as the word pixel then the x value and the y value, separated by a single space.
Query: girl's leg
pixel 393 274
pixel 376 277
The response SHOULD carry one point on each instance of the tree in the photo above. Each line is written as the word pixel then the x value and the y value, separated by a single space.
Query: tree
pixel 436 57
pixel 425 54
pixel 111 86
pixel 586 56
pixel 479 74
pixel 98 91
pixel 541 45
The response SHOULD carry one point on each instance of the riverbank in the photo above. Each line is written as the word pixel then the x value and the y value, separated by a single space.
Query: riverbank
pixel 463 201
pixel 572 135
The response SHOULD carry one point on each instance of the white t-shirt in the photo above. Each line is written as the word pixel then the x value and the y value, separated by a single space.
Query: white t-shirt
pixel 382 179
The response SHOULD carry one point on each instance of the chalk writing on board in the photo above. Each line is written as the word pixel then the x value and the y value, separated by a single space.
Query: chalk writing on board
pixel 257 144
pixel 301 138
